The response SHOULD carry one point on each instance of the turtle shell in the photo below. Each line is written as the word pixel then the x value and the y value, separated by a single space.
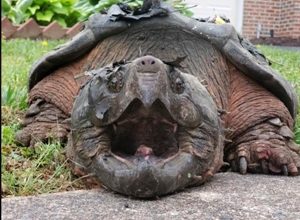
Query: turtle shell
pixel 240 52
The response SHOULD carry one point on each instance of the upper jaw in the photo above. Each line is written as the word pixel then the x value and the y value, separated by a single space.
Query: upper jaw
pixel 178 92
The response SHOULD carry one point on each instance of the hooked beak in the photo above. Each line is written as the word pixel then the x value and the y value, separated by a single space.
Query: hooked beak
pixel 150 76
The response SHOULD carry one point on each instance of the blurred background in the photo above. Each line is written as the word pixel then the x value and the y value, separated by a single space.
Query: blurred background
pixel 274 22
pixel 261 21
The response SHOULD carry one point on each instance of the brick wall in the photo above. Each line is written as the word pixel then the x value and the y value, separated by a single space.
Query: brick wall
pixel 280 17
pixel 30 29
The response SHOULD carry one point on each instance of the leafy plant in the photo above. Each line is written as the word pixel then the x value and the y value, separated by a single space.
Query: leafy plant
pixel 182 7
pixel 43 11
pixel 88 7
pixel 15 10
pixel 66 12
pixel 62 11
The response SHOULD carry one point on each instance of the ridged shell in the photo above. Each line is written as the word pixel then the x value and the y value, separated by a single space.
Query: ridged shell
pixel 238 51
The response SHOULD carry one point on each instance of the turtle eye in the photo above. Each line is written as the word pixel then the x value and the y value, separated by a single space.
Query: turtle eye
pixel 115 82
pixel 177 83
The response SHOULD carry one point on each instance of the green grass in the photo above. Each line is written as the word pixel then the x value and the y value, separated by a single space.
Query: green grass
pixel 286 63
pixel 17 57
pixel 29 171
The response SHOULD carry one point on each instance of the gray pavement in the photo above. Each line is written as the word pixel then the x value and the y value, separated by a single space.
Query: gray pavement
pixel 228 196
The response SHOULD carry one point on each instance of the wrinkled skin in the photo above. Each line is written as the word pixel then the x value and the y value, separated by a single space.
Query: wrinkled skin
pixel 146 129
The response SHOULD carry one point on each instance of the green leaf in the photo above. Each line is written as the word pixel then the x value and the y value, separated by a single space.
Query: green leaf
pixel 33 9
pixel 93 2
pixel 40 2
pixel 23 5
pixel 16 16
pixel 59 9
pixel 57 4
pixel 61 21
pixel 72 18
pixel 68 2
pixel 5 6
pixel 44 16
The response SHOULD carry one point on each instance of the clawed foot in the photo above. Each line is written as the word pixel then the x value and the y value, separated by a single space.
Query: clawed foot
pixel 267 157
pixel 43 121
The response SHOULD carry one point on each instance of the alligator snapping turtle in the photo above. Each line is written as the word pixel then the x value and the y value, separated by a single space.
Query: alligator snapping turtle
pixel 158 100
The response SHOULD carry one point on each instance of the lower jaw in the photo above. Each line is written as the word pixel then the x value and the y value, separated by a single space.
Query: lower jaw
pixel 148 177
pixel 143 177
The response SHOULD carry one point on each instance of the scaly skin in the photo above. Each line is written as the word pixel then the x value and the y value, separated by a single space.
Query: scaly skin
pixel 51 101
pixel 43 121
pixel 260 129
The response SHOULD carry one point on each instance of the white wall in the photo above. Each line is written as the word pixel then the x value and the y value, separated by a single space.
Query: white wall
pixel 233 9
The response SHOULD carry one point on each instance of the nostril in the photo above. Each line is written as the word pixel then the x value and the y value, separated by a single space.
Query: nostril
pixel 148 64
pixel 151 62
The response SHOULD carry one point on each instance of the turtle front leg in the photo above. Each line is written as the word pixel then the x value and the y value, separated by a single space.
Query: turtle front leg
pixel 51 101
pixel 260 131
pixel 265 148
pixel 43 121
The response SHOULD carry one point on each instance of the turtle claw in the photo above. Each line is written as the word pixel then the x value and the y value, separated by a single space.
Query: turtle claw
pixel 285 171
pixel 264 167
pixel 43 121
pixel 233 166
pixel 34 133
pixel 243 165
pixel 265 158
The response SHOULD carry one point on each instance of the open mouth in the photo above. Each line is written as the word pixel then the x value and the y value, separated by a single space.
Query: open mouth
pixel 144 133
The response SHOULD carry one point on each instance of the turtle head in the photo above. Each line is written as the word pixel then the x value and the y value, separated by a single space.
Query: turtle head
pixel 158 128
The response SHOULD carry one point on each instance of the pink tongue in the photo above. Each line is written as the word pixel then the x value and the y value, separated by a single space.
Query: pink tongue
pixel 143 150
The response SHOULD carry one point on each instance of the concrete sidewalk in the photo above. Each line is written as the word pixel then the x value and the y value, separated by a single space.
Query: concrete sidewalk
pixel 227 196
